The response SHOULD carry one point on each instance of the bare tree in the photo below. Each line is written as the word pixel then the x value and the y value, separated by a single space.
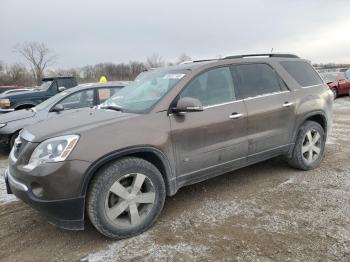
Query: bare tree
pixel 16 73
pixel 155 61
pixel 183 58
pixel 38 55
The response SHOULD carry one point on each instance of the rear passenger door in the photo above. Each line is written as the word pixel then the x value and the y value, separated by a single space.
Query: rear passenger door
pixel 270 107
pixel 213 140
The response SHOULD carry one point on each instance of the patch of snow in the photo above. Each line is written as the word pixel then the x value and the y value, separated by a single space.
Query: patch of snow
pixel 210 212
pixel 145 248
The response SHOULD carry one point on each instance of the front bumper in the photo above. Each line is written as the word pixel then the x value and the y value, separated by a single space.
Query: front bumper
pixel 6 110
pixel 64 213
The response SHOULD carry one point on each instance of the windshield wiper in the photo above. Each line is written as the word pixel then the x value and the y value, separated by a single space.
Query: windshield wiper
pixel 116 108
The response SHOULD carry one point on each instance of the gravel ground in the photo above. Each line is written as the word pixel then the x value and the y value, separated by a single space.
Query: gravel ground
pixel 265 212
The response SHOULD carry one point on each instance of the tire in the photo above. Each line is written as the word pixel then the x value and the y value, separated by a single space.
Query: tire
pixel 103 205
pixel 335 92
pixel 13 138
pixel 304 155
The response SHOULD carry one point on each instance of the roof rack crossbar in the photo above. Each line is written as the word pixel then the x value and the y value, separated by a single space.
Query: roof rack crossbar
pixel 269 55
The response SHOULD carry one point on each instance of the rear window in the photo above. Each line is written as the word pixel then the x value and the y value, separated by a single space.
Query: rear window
pixel 302 72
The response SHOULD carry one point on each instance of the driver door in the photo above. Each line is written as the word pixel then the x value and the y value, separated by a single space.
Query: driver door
pixel 214 140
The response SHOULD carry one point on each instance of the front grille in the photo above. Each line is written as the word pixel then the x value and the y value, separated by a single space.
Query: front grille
pixel 18 146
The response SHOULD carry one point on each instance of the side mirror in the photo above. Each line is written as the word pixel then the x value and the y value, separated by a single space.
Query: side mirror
pixel 58 108
pixel 188 104
pixel 61 88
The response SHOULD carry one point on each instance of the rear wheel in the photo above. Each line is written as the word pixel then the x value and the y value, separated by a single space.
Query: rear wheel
pixel 309 147
pixel 126 198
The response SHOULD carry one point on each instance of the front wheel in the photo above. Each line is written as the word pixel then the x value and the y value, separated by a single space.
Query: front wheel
pixel 309 146
pixel 126 198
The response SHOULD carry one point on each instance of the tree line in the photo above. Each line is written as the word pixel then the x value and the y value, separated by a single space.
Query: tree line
pixel 39 59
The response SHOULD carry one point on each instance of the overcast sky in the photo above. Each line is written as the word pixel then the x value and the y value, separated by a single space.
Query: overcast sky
pixel 85 32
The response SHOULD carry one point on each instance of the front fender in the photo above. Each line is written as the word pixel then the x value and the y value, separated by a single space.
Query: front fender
pixel 169 177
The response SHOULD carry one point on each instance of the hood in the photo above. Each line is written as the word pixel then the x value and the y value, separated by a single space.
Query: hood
pixel 16 115
pixel 24 95
pixel 332 84
pixel 74 123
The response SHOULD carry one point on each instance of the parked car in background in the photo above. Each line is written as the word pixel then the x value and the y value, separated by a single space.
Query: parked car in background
pixel 339 83
pixel 85 95
pixel 329 77
pixel 50 87
pixel 5 88
pixel 176 126
pixel 12 91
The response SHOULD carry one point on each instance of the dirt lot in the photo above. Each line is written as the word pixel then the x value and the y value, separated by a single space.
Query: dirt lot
pixel 265 212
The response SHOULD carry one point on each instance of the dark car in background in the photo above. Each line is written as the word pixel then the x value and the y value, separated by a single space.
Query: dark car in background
pixel 338 82
pixel 17 90
pixel 85 95
pixel 22 100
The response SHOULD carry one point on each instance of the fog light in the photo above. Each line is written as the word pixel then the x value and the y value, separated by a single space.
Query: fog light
pixel 37 190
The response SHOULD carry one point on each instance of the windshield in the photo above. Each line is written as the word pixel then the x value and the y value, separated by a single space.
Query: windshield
pixel 50 101
pixel 45 85
pixel 146 91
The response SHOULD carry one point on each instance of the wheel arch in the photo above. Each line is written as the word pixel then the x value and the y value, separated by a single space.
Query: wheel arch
pixel 316 116
pixel 24 105
pixel 148 153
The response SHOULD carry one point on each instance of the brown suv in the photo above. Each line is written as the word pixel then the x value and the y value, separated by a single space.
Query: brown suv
pixel 173 127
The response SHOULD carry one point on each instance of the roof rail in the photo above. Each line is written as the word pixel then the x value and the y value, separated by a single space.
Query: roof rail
pixel 203 60
pixel 269 55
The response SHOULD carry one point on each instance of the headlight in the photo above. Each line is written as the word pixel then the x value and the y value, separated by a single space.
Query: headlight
pixel 55 149
pixel 2 125
pixel 5 102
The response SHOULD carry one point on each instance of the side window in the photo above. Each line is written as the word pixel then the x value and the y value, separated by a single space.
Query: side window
pixel 256 79
pixel 302 72
pixel 54 86
pixel 79 99
pixel 116 90
pixel 62 82
pixel 212 87
pixel 105 93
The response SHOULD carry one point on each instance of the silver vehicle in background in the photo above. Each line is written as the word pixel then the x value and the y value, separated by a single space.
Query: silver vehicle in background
pixel 81 96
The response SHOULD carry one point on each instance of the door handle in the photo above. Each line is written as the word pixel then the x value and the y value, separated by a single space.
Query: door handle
pixel 288 104
pixel 235 115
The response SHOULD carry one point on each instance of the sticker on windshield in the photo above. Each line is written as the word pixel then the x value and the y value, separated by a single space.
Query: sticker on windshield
pixel 173 76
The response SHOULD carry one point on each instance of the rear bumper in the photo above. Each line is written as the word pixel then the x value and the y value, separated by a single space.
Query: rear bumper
pixel 64 213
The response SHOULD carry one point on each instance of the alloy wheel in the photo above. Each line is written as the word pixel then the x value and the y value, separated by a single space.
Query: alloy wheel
pixel 311 148
pixel 130 200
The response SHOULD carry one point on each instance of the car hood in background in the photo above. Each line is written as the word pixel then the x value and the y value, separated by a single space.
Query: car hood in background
pixel 73 123
pixel 16 115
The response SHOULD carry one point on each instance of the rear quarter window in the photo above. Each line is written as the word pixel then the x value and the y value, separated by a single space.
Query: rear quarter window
pixel 302 72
